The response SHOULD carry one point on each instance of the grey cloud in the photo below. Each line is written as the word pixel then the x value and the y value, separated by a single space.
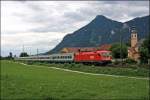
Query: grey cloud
pixel 35 7
pixel 46 43
pixel 88 12
pixel 14 32
pixel 74 16
pixel 127 3
pixel 139 14
pixel 19 15
pixel 81 15
pixel 60 27
pixel 85 13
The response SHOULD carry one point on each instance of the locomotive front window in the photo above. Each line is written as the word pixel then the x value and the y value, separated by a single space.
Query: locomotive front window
pixel 106 54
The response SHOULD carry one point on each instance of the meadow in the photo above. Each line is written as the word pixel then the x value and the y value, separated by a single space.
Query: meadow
pixel 132 70
pixel 35 82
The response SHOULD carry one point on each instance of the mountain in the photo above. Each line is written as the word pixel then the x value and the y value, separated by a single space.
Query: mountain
pixel 102 30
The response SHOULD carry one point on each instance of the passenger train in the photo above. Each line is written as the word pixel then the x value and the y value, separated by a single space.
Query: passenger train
pixel 97 57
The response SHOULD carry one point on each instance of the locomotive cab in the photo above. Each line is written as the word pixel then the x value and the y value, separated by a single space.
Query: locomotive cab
pixel 105 56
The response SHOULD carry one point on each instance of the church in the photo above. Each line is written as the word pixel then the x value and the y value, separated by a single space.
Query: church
pixel 133 51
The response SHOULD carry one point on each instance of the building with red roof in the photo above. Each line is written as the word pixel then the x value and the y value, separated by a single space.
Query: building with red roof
pixel 80 49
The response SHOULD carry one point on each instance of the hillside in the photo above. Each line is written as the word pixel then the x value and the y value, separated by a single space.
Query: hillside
pixel 102 30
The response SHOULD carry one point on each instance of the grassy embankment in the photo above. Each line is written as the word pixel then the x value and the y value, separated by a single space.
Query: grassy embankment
pixel 126 70
pixel 32 82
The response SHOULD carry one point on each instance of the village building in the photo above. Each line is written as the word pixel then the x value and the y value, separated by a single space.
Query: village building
pixel 86 49
pixel 133 51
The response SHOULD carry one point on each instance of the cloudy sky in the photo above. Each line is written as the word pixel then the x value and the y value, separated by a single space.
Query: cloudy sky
pixel 43 24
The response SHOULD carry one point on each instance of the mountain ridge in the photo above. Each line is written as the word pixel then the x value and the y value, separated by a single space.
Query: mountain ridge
pixel 102 30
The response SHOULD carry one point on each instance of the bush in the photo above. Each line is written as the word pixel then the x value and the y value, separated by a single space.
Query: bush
pixel 118 51
pixel 130 61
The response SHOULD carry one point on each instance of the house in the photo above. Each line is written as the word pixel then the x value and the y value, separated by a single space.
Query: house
pixel 70 50
pixel 105 47
pixel 80 49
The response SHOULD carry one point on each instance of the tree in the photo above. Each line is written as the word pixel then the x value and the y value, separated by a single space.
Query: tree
pixel 24 54
pixel 144 55
pixel 116 48
pixel 128 43
pixel 145 50
pixel 10 55
pixel 146 44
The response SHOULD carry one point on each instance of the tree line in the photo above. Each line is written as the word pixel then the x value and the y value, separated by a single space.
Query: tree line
pixel 121 50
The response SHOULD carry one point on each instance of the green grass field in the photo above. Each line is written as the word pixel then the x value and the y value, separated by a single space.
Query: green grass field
pixel 42 83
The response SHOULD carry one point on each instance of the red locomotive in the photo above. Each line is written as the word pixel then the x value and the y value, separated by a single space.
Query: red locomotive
pixel 102 56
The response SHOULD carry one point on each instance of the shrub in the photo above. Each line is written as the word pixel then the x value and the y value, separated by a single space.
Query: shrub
pixel 130 61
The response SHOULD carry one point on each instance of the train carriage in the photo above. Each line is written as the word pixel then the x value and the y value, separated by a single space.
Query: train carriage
pixel 62 57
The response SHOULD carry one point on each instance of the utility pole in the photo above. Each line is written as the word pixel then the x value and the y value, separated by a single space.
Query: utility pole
pixel 37 52
pixel 121 49
pixel 23 48
pixel 30 51
pixel 121 52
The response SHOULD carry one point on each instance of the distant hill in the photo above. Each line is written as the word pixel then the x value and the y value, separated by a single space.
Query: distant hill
pixel 102 30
